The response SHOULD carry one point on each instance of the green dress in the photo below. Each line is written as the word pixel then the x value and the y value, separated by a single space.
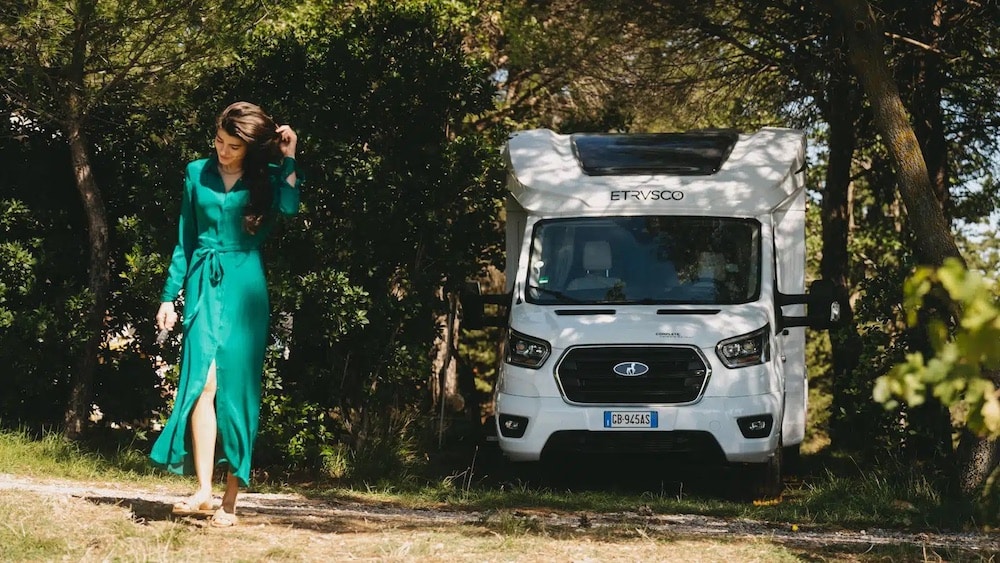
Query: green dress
pixel 226 313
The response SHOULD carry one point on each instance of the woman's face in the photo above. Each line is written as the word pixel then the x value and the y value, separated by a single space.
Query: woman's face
pixel 231 150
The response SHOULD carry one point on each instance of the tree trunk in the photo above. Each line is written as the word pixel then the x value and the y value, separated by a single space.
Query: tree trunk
pixel 934 241
pixel 98 283
pixel 926 80
pixel 920 72
pixel 444 365
pixel 841 111
pixel 977 458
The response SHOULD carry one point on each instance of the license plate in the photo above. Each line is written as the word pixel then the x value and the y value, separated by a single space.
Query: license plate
pixel 630 419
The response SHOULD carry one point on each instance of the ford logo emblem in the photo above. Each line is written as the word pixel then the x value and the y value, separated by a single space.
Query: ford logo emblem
pixel 631 369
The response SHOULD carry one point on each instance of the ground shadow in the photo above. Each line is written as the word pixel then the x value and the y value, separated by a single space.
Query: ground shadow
pixel 323 516
pixel 630 474
pixel 142 509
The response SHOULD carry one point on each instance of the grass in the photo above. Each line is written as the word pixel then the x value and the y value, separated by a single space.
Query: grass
pixel 512 522
pixel 902 498
pixel 53 456
pixel 834 491
pixel 39 528
pixel 42 528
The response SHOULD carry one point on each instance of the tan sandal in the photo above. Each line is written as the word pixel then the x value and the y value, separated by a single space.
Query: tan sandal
pixel 192 506
pixel 223 519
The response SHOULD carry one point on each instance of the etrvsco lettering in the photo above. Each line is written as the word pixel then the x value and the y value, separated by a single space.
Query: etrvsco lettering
pixel 646 195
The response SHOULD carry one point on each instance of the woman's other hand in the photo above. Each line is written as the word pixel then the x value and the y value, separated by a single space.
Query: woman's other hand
pixel 287 140
pixel 166 317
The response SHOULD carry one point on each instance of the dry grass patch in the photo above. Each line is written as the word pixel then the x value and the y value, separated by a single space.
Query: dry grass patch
pixel 42 527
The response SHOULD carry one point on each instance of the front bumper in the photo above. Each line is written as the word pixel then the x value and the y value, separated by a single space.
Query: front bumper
pixel 707 429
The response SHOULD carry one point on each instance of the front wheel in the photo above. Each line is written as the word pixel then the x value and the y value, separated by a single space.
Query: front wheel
pixel 791 460
pixel 762 481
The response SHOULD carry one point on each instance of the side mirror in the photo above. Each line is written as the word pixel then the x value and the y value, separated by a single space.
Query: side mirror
pixel 472 306
pixel 823 308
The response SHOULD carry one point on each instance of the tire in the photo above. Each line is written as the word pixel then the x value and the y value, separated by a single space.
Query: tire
pixel 763 481
pixel 543 473
pixel 791 460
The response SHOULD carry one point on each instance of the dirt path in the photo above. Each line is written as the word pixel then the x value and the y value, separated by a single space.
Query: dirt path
pixel 296 511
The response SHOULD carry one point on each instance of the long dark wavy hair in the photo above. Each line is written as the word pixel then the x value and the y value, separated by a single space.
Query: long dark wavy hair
pixel 248 122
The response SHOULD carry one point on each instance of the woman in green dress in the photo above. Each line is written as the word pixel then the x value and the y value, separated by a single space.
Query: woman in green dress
pixel 229 206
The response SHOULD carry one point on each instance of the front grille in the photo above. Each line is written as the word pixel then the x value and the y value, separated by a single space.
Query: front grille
pixel 695 446
pixel 677 374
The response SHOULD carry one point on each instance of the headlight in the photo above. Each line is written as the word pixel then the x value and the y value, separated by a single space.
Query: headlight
pixel 525 351
pixel 746 350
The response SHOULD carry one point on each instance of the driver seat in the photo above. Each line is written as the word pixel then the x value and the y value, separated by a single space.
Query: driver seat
pixel 597 264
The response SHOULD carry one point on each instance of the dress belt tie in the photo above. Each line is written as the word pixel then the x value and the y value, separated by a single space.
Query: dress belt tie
pixel 207 265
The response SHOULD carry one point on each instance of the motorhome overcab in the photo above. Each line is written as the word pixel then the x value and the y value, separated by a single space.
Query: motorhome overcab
pixel 656 297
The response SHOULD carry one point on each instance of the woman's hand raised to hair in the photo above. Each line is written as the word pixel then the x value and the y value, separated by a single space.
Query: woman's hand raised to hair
pixel 287 140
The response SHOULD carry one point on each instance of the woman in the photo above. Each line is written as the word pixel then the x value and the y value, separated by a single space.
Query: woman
pixel 229 205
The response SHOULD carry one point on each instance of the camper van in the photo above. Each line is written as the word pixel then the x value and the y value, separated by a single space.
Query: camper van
pixel 656 294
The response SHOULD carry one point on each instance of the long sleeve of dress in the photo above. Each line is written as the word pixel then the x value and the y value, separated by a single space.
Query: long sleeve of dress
pixel 286 196
pixel 187 238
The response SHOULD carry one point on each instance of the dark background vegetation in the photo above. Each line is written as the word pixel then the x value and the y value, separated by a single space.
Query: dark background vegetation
pixel 402 108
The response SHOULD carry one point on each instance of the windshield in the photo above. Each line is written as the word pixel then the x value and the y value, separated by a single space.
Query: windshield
pixel 645 260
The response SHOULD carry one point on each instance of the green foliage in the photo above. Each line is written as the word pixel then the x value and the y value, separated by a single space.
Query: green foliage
pixel 981 251
pixel 17 262
pixel 68 63
pixel 340 307
pixel 965 362
pixel 295 430
pixel 479 353
pixel 882 344
pixel 389 448
pixel 40 298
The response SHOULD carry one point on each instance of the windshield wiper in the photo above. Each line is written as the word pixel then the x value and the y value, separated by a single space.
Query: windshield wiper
pixel 554 293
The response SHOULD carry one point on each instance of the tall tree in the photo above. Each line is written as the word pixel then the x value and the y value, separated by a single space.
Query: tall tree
pixel 934 241
pixel 69 59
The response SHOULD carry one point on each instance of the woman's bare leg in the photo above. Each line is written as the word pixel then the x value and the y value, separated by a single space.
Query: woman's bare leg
pixel 225 516
pixel 204 430
pixel 232 489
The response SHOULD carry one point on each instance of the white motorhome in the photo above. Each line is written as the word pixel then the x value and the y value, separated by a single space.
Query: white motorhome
pixel 656 297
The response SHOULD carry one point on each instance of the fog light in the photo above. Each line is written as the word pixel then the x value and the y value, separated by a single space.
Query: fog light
pixel 755 426
pixel 512 426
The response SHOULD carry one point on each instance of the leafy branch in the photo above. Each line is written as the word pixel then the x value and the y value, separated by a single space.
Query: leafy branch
pixel 966 363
